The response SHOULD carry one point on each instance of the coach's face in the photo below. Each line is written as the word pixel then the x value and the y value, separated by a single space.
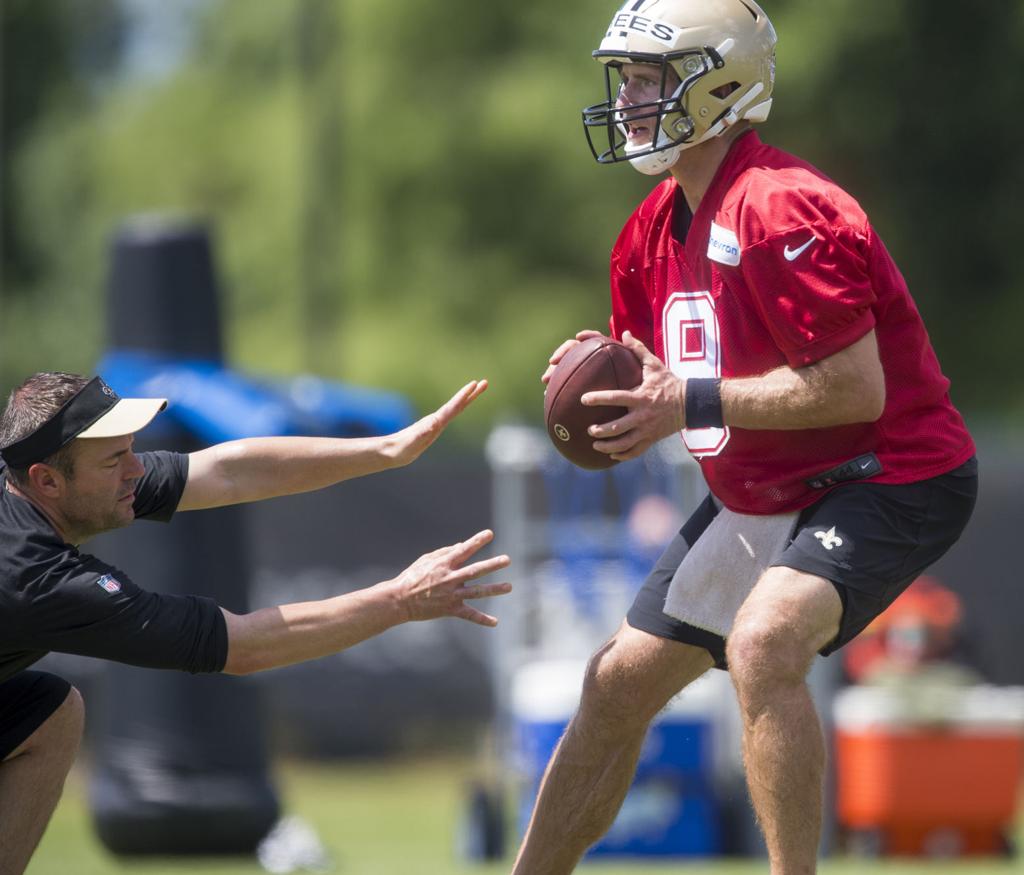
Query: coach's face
pixel 99 496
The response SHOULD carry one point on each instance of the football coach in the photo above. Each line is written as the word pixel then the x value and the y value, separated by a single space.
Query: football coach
pixel 68 473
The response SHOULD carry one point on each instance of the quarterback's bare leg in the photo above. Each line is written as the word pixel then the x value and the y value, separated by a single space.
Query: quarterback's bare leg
pixel 628 681
pixel 32 779
pixel 786 620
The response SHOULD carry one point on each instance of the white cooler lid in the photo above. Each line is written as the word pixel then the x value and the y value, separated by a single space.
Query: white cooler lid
pixel 973 708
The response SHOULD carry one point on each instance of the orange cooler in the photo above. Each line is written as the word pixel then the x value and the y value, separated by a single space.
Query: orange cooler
pixel 948 786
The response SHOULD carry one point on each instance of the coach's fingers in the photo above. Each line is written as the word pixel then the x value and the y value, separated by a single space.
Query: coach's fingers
pixel 411 442
pixel 461 576
pixel 478 390
pixel 474 616
pixel 484 590
pixel 463 550
pixel 460 400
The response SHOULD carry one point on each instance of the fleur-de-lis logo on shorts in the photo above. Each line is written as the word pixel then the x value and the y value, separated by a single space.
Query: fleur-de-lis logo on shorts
pixel 829 539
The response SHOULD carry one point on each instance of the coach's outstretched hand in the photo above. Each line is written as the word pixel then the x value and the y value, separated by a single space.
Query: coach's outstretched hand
pixel 408 444
pixel 437 584
pixel 254 469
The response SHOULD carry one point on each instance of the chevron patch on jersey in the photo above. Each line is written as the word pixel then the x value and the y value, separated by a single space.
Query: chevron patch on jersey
pixel 723 246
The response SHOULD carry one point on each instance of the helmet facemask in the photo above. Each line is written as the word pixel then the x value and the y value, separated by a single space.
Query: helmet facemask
pixel 672 128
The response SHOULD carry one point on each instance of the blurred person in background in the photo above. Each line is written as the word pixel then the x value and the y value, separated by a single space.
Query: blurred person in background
pixel 68 473
pixel 788 352
pixel 911 652
pixel 920 629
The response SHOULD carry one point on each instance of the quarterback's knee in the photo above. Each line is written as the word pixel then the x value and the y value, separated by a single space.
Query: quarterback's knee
pixel 762 659
pixel 613 701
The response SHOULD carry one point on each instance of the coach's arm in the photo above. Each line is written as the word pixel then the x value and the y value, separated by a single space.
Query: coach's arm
pixel 256 468
pixel 435 585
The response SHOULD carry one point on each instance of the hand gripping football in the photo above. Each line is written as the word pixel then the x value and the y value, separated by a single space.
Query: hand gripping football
pixel 594 364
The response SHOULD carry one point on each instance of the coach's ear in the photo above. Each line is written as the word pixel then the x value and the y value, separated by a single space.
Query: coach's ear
pixel 46 480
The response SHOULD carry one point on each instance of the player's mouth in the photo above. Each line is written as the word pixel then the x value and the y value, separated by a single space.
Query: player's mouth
pixel 638 132
pixel 129 497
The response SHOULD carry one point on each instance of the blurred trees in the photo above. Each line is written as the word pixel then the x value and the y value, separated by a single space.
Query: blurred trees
pixel 403 197
pixel 78 42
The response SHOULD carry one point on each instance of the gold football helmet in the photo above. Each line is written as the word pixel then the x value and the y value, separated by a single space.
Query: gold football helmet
pixel 717 66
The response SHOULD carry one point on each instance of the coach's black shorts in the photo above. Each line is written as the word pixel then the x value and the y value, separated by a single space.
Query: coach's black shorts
pixel 889 535
pixel 26 702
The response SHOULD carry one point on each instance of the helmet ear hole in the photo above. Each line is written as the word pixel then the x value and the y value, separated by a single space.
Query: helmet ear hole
pixel 723 91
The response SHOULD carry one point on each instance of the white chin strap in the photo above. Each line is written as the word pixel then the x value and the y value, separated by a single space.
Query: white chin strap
pixel 653 163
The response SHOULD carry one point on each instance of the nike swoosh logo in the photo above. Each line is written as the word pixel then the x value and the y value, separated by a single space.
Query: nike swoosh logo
pixel 794 254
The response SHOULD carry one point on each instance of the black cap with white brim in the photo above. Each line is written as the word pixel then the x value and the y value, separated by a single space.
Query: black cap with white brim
pixel 96 411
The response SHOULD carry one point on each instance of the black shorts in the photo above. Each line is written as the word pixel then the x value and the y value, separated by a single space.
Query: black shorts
pixel 26 702
pixel 883 537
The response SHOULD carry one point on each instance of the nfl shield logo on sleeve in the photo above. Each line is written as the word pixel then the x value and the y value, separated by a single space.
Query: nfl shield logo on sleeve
pixel 109 583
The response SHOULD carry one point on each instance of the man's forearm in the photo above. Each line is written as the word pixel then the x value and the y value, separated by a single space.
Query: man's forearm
pixel 785 399
pixel 258 468
pixel 438 584
pixel 253 469
pixel 845 388
pixel 284 635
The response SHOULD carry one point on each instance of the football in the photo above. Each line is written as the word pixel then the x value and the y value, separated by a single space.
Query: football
pixel 594 364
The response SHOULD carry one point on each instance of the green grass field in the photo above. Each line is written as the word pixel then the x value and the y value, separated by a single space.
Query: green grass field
pixel 394 818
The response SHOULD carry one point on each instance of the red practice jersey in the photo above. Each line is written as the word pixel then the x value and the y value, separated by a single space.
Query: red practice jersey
pixel 782 267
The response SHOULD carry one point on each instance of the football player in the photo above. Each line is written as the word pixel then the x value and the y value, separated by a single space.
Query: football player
pixel 779 339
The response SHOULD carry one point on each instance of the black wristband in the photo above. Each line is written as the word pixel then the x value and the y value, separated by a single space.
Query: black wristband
pixel 704 402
